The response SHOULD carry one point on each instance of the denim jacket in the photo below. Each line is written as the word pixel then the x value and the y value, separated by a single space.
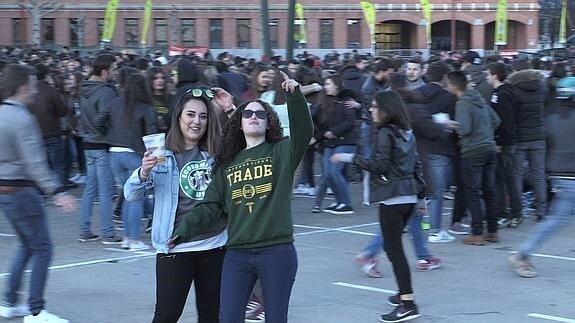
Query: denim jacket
pixel 164 177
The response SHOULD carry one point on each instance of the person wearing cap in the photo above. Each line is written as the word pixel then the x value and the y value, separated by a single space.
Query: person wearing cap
pixel 475 72
pixel 560 132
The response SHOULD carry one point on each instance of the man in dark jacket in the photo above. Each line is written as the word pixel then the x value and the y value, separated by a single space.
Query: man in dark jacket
pixel 438 150
pixel 560 132
pixel 353 75
pixel 95 94
pixel 502 103
pixel 49 109
pixel 529 95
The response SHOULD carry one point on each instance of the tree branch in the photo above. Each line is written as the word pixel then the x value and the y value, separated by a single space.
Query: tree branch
pixel 49 7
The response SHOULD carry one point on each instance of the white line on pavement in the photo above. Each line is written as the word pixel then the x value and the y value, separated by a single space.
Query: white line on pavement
pixel 6 235
pixel 340 229
pixel 93 262
pixel 372 289
pixel 550 318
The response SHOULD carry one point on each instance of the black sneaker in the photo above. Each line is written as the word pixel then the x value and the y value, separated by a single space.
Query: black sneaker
pixel 88 237
pixel 330 208
pixel 394 300
pixel 342 209
pixel 315 209
pixel 112 240
pixel 401 313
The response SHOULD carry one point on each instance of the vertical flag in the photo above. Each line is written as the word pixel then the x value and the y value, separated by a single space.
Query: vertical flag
pixel 110 21
pixel 426 8
pixel 302 35
pixel 146 24
pixel 563 24
pixel 501 23
pixel 369 13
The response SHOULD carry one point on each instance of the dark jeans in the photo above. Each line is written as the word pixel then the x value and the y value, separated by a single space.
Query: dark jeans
pixel 274 266
pixel 24 210
pixel 174 276
pixel 479 176
pixel 534 153
pixel 505 183
pixel 56 149
pixel 459 203
pixel 392 219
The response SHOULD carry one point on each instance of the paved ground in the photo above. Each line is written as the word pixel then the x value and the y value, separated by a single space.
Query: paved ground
pixel 91 283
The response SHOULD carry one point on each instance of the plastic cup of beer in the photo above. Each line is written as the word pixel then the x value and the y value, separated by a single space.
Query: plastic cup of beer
pixel 156 143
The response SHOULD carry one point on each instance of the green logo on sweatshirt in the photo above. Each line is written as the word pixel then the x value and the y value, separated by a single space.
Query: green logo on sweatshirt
pixel 195 177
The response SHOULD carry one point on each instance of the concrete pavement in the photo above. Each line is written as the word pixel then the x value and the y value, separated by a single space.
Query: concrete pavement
pixel 93 283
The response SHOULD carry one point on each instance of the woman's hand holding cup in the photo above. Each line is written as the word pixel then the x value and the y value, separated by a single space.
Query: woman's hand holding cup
pixel 148 162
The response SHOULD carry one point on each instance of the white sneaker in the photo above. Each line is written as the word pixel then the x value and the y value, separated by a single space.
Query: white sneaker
pixel 14 311
pixel 125 243
pixel 44 317
pixel 440 237
pixel 300 190
pixel 136 245
pixel 311 191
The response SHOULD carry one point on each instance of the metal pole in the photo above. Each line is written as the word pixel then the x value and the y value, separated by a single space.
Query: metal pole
pixel 266 30
pixel 453 28
pixel 291 29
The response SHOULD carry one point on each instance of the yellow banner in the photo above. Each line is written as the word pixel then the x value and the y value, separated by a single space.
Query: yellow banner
pixel 302 34
pixel 563 24
pixel 501 23
pixel 426 9
pixel 146 24
pixel 369 13
pixel 110 21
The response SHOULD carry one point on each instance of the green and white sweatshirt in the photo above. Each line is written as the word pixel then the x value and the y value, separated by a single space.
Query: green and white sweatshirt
pixel 254 191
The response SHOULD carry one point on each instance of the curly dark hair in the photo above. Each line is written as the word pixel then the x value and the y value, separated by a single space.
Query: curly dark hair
pixel 233 139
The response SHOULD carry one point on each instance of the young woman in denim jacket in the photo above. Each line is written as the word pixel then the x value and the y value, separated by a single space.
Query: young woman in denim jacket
pixel 178 184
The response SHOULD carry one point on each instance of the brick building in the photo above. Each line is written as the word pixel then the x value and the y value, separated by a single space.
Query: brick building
pixel 235 25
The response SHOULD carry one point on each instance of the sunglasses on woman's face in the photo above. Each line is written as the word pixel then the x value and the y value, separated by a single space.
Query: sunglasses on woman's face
pixel 260 114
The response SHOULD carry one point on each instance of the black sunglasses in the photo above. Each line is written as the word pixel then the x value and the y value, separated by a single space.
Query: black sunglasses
pixel 260 114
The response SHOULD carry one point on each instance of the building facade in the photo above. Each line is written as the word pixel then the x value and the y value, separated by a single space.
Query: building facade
pixel 236 25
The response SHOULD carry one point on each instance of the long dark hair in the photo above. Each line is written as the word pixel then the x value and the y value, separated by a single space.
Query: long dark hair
pixel 233 138
pixel 210 140
pixel 136 91
pixel 327 102
pixel 391 106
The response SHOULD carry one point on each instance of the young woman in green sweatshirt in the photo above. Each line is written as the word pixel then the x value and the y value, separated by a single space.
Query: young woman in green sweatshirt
pixel 252 188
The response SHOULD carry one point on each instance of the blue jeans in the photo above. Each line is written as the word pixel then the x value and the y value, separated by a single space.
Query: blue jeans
pixel 333 174
pixel 560 214
pixel 275 267
pixel 534 152
pixel 440 172
pixel 100 181
pixel 418 239
pixel 123 165
pixel 479 176
pixel 24 210
pixel 56 149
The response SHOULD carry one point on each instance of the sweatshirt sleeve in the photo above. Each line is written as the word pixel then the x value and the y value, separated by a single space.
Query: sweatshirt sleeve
pixel 205 213
pixel 464 118
pixel 300 124
pixel 505 110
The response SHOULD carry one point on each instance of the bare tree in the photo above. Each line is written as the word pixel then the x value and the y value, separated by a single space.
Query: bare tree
pixel 79 27
pixel 38 9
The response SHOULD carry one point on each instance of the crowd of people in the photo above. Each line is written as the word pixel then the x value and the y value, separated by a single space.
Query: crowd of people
pixel 243 136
